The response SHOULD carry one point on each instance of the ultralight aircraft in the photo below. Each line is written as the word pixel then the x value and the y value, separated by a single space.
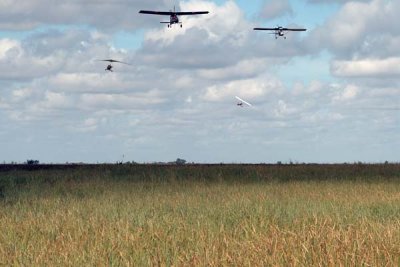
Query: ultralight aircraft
pixel 280 31
pixel 173 15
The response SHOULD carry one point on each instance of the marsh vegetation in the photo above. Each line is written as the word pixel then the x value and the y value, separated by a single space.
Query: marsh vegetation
pixel 260 215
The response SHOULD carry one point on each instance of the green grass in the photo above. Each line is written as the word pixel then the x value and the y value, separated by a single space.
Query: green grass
pixel 201 215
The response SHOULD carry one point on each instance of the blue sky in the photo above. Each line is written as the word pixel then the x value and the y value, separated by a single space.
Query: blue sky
pixel 328 95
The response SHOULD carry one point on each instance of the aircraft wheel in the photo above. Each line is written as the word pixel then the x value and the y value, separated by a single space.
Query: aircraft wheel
pixel 181 26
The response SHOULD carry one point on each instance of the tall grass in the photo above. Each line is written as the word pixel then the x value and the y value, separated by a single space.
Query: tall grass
pixel 201 215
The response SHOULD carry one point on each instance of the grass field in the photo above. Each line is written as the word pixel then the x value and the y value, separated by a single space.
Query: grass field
pixel 229 215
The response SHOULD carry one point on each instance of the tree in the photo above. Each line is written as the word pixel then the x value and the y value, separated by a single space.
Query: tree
pixel 180 161
pixel 32 162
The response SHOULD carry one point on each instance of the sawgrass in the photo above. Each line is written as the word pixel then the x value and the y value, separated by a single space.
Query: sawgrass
pixel 171 216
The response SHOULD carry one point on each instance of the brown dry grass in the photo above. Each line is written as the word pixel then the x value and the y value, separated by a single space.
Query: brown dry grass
pixel 86 222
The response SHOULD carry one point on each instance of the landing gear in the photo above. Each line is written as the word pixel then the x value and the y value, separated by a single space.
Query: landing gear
pixel 170 25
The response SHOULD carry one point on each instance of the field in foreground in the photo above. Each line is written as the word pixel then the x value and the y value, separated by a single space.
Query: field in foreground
pixel 201 215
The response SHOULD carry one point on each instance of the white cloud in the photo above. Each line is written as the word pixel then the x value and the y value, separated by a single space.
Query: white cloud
pixel 88 125
pixel 357 26
pixel 123 102
pixel 243 69
pixel 3 104
pixel 22 94
pixel 106 14
pixel 283 109
pixel 183 79
pixel 276 8
pixel 89 82
pixel 367 68
pixel 9 47
pixel 249 89
pixel 346 94
pixel 222 23
pixel 335 1
pixel 16 63
pixel 300 88
pixel 54 100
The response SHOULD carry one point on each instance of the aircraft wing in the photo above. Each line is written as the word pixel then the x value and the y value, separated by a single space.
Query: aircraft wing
pixel 191 13
pixel 241 100
pixel 169 13
pixel 164 13
pixel 266 29
pixel 280 29
pixel 122 62
pixel 112 61
pixel 294 30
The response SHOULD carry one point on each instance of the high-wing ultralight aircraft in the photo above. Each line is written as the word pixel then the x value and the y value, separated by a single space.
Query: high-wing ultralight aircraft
pixel 241 102
pixel 173 15
pixel 280 31
pixel 109 66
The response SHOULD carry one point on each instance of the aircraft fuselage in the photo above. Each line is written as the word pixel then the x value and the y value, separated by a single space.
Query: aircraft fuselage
pixel 174 19
pixel 280 32
pixel 109 68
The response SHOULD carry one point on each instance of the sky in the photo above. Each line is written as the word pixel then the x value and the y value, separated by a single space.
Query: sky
pixel 328 95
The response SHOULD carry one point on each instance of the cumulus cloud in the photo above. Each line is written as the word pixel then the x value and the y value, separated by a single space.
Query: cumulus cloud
pixel 244 69
pixel 105 14
pixel 118 101
pixel 359 26
pixel 225 21
pixel 213 42
pixel 17 64
pixel 335 1
pixel 53 87
pixel 389 67
pixel 275 8
pixel 348 93
pixel 363 43
pixel 249 89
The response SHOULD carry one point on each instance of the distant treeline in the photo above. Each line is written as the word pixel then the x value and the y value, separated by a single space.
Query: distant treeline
pixel 251 172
